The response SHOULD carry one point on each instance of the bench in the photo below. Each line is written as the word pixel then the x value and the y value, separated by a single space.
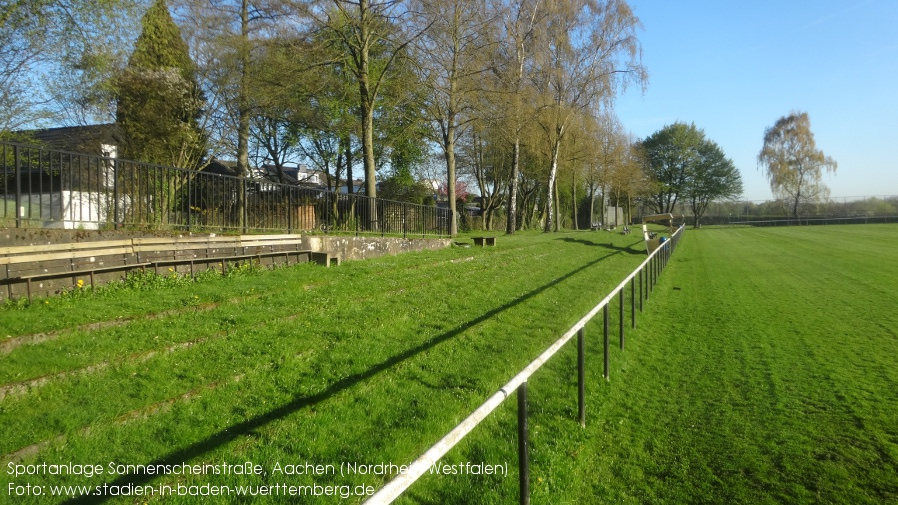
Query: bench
pixel 29 264
pixel 57 261
pixel 484 241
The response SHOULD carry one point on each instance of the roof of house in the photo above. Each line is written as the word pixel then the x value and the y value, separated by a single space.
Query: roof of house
pixel 221 168
pixel 83 139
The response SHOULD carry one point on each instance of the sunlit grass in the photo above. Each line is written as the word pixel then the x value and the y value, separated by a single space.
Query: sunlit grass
pixel 764 370
pixel 369 362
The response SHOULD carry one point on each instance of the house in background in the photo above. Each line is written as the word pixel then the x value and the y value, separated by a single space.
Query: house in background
pixel 98 140
pixel 70 187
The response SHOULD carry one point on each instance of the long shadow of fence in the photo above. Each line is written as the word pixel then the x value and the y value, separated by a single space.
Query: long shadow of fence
pixel 300 402
pixel 629 249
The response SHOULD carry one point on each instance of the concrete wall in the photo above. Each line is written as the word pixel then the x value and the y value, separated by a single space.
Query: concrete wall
pixel 350 248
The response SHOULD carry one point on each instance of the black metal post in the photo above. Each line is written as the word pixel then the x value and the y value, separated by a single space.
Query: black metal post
pixel 16 163
pixel 641 295
pixel 189 200
pixel 115 206
pixel 632 302
pixel 581 377
pixel 654 275
pixel 620 319
pixel 607 368
pixel 290 212
pixel 648 280
pixel 523 446
pixel 245 200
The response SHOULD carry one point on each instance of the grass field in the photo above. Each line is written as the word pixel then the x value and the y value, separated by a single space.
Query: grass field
pixel 765 370
pixel 366 363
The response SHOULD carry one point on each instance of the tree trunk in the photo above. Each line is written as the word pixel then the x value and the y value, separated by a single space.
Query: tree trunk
pixel 346 148
pixel 511 221
pixel 243 110
pixel 550 189
pixel 574 198
pixel 592 204
pixel 449 152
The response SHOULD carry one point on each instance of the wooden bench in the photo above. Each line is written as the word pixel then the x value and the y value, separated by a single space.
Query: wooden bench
pixel 28 264
pixel 65 260
pixel 484 241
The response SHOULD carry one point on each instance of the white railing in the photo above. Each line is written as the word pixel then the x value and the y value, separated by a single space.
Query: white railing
pixel 647 273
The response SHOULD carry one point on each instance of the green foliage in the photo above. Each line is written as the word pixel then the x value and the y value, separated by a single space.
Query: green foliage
pixel 402 187
pixel 159 100
pixel 714 177
pixel 792 162
pixel 671 153
pixel 683 163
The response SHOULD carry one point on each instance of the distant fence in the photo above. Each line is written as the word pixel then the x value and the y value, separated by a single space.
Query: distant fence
pixel 58 189
pixel 647 274
pixel 805 221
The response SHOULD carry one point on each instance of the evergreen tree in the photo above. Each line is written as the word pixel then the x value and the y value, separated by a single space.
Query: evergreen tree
pixel 159 100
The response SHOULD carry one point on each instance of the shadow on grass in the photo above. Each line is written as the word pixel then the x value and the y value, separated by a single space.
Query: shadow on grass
pixel 241 429
pixel 634 248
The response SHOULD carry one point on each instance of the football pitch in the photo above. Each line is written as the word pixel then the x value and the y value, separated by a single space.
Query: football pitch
pixel 764 370
pixel 767 373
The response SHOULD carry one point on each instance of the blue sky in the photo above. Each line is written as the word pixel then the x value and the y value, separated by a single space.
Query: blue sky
pixel 734 67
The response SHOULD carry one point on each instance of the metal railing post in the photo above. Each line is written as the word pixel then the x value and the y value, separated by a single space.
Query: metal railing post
pixel 581 378
pixel 245 199
pixel 290 210
pixel 648 281
pixel 189 200
pixel 16 162
pixel 523 446
pixel 641 295
pixel 115 192
pixel 607 367
pixel 633 302
pixel 620 319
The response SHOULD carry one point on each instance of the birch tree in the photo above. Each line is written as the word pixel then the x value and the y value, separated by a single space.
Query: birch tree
pixel 588 50
pixel 793 164
pixel 509 107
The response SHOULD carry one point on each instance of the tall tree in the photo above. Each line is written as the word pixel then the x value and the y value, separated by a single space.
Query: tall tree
pixel 510 87
pixel 793 164
pixel 609 148
pixel 366 27
pixel 159 100
pixel 589 49
pixel 713 177
pixel 450 54
pixel 58 59
pixel 671 153
pixel 21 49
pixel 488 162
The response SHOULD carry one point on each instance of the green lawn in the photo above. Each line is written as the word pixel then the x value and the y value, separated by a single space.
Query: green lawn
pixel 763 371
pixel 366 363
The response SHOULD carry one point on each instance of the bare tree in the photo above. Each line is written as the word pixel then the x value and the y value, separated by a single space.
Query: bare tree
pixel 512 57
pixel 489 163
pixel 450 53
pixel 59 58
pixel 793 163
pixel 589 48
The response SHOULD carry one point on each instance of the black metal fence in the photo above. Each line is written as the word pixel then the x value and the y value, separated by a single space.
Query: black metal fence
pixel 59 189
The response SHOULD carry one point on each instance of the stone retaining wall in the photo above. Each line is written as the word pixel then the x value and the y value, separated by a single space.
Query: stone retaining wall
pixel 349 247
